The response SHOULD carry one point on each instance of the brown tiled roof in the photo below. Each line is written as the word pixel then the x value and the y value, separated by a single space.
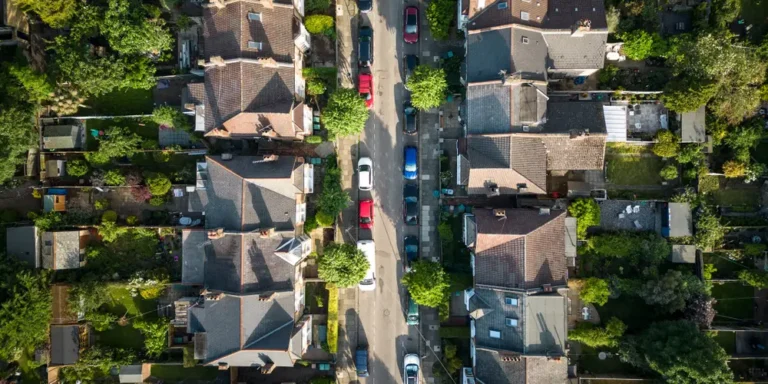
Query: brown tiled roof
pixel 546 14
pixel 227 31
pixel 506 161
pixel 523 250
pixel 581 153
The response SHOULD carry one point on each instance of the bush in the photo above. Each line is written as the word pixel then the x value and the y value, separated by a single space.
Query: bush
pixel 101 204
pixel 77 168
pixel 150 144
pixel 440 15
pixel 109 217
pixel 114 177
pixel 587 212
pixel 733 169
pixel 317 24
pixel 189 356
pixel 317 5
pixel 754 250
pixel 171 117
pixel 637 44
pixel 132 220
pixel 708 184
pixel 454 332
pixel 313 139
pixel 754 277
pixel 323 219
pixel 595 291
pixel 590 335
pixel 316 87
pixel 667 144
pixel 157 201
pixel 669 172
pixel 311 224
pixel 333 318
pixel 158 184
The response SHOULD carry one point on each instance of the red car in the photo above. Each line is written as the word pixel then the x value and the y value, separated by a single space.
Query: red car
pixel 365 87
pixel 366 213
pixel 411 25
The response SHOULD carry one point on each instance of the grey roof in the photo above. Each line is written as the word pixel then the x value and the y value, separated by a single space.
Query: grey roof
pixel 193 260
pixel 569 52
pixel 61 250
pixel 242 195
pixel 694 126
pixel 245 330
pixel 680 221
pixel 23 243
pixel 63 137
pixel 488 109
pixel 683 254
pixel 488 53
pixel 65 344
pixel 130 374
pixel 498 367
pixel 567 116
pixel 571 241
pixel 529 58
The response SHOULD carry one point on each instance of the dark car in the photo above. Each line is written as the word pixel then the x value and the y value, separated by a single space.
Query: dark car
pixel 410 64
pixel 365 47
pixel 411 247
pixel 411 25
pixel 411 204
pixel 361 362
pixel 365 6
pixel 409 112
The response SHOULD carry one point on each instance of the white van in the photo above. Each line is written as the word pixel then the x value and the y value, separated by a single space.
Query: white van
pixel 369 250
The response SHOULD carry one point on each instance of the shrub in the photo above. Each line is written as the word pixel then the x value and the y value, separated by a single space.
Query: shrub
pixel 77 168
pixel 101 204
pixel 590 335
pixel 587 212
pixel 669 172
pixel 754 277
pixel 317 24
pixel 150 144
pixel 109 217
pixel 133 178
pixel 101 321
pixel 141 193
pixel 595 291
pixel 158 184
pixel 754 250
pixel 313 139
pixel 157 201
pixel 189 356
pixel 667 144
pixel 316 87
pixel 114 177
pixel 708 184
pixel 171 117
pixel 323 219
pixel 310 224
pixel 317 5
pixel 333 318
pixel 733 169
pixel 132 220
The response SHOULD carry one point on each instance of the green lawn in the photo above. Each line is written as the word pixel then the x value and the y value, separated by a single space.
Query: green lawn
pixel 726 339
pixel 632 311
pixel 120 103
pixel 589 362
pixel 121 337
pixel 144 127
pixel 122 302
pixel 734 300
pixel 726 269
pixel 179 373
pixel 738 199
pixel 634 170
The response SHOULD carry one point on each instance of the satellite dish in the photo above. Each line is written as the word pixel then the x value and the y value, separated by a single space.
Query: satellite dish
pixel 602 356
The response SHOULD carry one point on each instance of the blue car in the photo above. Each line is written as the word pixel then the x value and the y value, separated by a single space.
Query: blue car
pixel 410 163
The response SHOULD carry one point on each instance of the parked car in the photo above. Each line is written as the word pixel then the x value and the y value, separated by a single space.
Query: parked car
pixel 412 316
pixel 410 163
pixel 410 114
pixel 365 6
pixel 361 361
pixel 365 87
pixel 368 248
pixel 411 248
pixel 410 63
pixel 365 173
pixel 365 46
pixel 366 213
pixel 411 368
pixel 411 204
pixel 411 25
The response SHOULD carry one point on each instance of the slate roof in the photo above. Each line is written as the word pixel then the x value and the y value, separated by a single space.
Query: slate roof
pixel 504 108
pixel 507 161
pixel 524 250
pixel 241 195
pixel 498 367
pixel 23 243
pixel 245 87
pixel 568 52
pixel 246 330
pixel 490 52
pixel 227 31
pixel 547 14
pixel 65 344
pixel 567 116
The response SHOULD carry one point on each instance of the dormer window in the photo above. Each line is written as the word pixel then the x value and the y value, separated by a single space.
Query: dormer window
pixel 510 301
pixel 502 5
pixel 510 322
pixel 254 45
pixel 524 16
pixel 254 16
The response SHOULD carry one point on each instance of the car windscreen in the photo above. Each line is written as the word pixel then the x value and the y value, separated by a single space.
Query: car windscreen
pixel 411 370
pixel 410 24
pixel 411 248
pixel 365 220
pixel 365 168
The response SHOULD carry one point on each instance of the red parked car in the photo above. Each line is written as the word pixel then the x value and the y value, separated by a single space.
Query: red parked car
pixel 366 214
pixel 411 25
pixel 365 87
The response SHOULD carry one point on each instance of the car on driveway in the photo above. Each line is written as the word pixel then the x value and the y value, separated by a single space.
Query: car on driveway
pixel 365 6
pixel 411 248
pixel 410 163
pixel 366 213
pixel 411 204
pixel 365 47
pixel 410 63
pixel 365 87
pixel 365 173
pixel 411 368
pixel 411 25
pixel 410 114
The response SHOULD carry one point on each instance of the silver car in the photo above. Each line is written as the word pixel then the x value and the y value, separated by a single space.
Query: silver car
pixel 412 365
pixel 365 173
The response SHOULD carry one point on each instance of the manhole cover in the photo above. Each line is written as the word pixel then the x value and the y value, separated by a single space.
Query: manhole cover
pixel 386 312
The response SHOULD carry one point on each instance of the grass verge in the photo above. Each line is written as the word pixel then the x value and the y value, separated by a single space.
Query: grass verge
pixel 333 318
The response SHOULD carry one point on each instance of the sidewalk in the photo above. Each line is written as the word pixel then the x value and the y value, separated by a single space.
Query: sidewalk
pixel 346 36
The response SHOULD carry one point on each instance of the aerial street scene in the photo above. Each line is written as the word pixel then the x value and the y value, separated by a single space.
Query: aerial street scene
pixel 384 191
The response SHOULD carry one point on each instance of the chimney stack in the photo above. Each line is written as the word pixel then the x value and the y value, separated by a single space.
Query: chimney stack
pixel 581 26
pixel 500 213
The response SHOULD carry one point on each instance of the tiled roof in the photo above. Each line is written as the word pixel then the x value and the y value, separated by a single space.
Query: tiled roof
pixel 193 93
pixel 227 31
pixel 523 250
pixel 246 87
pixel 488 53
pixel 569 116
pixel 507 161
pixel 581 153
pixel 570 52
pixel 547 14
pixel 498 367
pixel 488 108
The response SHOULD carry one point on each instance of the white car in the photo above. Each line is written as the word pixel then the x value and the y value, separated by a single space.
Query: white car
pixel 411 367
pixel 368 248
pixel 365 173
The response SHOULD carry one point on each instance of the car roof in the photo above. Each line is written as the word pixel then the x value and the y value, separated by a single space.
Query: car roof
pixel 410 240
pixel 365 161
pixel 366 203
pixel 410 189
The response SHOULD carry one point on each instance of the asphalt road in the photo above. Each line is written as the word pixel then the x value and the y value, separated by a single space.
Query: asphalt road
pixel 381 313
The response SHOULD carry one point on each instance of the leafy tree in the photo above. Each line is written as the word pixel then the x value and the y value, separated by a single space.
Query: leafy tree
pixel 118 142
pixel 313 6
pixel 669 172
pixel 95 363
pixel 637 44
pixel 745 137
pixel 114 177
pixel 345 113
pixel 25 312
pixel 684 94
pixel 38 87
pixel 141 193
pixel 587 213
pixel 130 29
pixel 700 310
pixel 671 290
pixel 48 221
pixel 428 87
pixel 77 168
pixel 315 87
pixel 428 283
pixel 733 169
pixel 158 183
pixel 17 135
pixel 754 277
pixel 451 361
pixel 667 144
pixel 333 199
pixel 593 336
pixel 110 232
pixel 679 353
pixel 690 154
pixel 318 24
pixel 155 335
pixel 595 291
pixel 343 265
pixel 171 117
pixel 709 231
pixel 88 295
pixel 55 13
pixel 440 15
pixel 101 321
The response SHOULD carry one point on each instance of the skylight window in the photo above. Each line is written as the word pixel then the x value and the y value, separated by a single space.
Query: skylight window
pixel 254 45
pixel 525 40
pixel 510 322
pixel 524 16
pixel 254 16
pixel 502 5
pixel 495 334
pixel 510 301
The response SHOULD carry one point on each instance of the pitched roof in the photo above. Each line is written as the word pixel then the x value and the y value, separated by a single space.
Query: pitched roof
pixel 571 116
pixel 507 162
pixel 498 367
pixel 246 87
pixel 571 52
pixel 523 250
pixel 504 108
pixel 247 193
pixel 61 250
pixel 510 49
pixel 227 31
pixel 65 344
pixel 547 14
pixel 580 153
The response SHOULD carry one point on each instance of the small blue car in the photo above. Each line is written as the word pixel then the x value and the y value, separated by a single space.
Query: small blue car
pixel 410 163
pixel 361 362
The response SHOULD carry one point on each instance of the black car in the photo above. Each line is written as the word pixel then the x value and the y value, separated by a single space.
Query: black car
pixel 411 204
pixel 365 6
pixel 411 248
pixel 365 47
pixel 409 112
pixel 410 63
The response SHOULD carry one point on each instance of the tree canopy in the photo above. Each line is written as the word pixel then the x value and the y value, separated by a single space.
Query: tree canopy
pixel 333 199
pixel 595 291
pixel 117 142
pixel 428 87
pixel 638 44
pixel 345 113
pixel 428 283
pixel 594 336
pixel 672 290
pixel 26 311
pixel 587 212
pixel 343 265
pixel 131 30
pixel 667 144
pixel 55 13
pixel 440 14
pixel 95 363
